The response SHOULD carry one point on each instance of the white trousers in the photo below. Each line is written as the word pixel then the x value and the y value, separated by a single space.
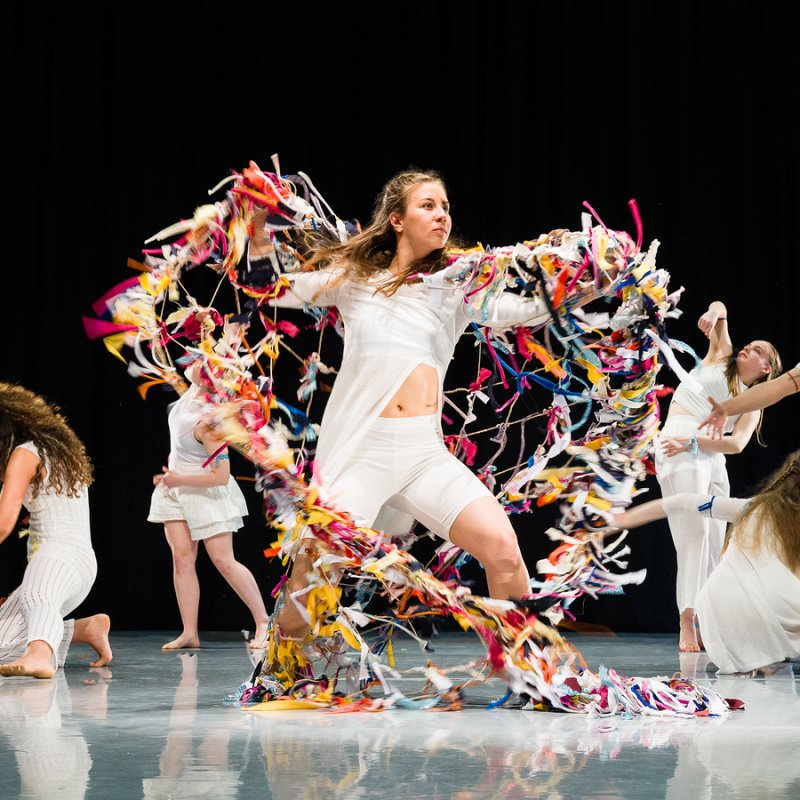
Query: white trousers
pixel 56 581
pixel 698 539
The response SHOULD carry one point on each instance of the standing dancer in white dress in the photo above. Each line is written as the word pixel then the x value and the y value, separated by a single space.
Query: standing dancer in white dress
pixel 197 499
pixel 686 462
pixel 749 608
pixel 380 448
pixel 44 466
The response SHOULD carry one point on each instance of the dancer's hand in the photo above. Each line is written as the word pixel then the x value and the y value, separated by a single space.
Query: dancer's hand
pixel 168 479
pixel 715 421
pixel 674 446
pixel 707 322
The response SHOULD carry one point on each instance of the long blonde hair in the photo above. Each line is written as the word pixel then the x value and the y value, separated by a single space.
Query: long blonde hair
pixel 775 514
pixel 26 417
pixel 732 377
pixel 374 247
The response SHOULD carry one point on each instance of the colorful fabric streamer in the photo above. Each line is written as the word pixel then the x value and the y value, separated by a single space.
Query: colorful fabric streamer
pixel 602 366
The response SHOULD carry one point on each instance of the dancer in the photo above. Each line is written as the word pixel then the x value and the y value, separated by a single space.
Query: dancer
pixel 749 608
pixel 686 462
pixel 753 399
pixel 197 499
pixel 44 466
pixel 381 451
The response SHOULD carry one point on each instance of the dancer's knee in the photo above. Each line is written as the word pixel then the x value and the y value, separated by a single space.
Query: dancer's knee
pixel 502 553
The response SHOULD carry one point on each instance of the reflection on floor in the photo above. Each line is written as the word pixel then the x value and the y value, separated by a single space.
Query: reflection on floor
pixel 153 725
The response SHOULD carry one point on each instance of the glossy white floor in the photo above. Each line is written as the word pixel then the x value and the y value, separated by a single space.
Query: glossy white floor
pixel 153 725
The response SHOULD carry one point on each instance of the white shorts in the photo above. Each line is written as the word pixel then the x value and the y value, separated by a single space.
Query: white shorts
pixel 403 463
pixel 207 511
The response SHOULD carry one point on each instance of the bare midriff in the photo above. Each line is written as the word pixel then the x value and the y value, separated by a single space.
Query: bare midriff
pixel 418 396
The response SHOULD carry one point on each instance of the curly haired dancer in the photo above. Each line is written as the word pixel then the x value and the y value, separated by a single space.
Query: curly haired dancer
pixel 44 466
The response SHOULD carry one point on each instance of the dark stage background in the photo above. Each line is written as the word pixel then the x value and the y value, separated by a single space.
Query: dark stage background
pixel 119 117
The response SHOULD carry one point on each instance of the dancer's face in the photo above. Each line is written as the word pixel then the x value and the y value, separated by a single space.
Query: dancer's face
pixel 754 360
pixel 425 224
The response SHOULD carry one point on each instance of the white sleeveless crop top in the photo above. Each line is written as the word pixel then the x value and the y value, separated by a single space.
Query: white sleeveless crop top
pixel 708 381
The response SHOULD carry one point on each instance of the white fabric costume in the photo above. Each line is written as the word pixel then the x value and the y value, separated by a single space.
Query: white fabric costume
pixel 207 510
pixel 698 540
pixel 385 338
pixel 749 608
pixel 61 571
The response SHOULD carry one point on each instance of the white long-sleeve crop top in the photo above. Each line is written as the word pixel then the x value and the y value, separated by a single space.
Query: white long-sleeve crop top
pixel 385 338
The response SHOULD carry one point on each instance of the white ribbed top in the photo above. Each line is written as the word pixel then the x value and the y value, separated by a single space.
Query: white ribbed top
pixel 56 518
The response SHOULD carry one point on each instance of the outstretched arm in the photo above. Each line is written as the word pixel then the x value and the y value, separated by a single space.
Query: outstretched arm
pixel 317 287
pixel 20 471
pixel 507 309
pixel 637 516
pixel 761 396
pixel 725 508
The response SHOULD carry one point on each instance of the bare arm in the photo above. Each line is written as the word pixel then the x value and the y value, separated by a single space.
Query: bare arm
pixel 756 397
pixel 714 324
pixel 216 474
pixel 20 471
pixel 729 445
pixel 637 516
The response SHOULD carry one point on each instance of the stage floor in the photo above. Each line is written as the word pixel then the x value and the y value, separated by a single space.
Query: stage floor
pixel 154 725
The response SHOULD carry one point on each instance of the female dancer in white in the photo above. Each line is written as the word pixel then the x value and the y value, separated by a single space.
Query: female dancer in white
pixel 380 447
pixel 749 608
pixel 43 466
pixel 686 462
pixel 197 499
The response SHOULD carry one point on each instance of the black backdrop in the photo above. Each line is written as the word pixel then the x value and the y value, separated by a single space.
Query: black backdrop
pixel 119 117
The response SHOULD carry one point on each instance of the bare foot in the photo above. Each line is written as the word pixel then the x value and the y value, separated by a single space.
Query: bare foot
pixel 37 662
pixel 687 643
pixel 260 640
pixel 18 669
pixel 184 642
pixel 94 632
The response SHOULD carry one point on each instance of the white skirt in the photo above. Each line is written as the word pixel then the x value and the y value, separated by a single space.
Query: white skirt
pixel 206 510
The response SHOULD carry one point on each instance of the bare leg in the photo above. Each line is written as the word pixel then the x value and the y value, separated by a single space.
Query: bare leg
pixel 484 531
pixel 241 580
pixel 36 662
pixel 289 621
pixel 94 632
pixel 688 635
pixel 187 587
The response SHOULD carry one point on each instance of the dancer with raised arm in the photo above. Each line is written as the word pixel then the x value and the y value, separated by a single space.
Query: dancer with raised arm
pixel 688 462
